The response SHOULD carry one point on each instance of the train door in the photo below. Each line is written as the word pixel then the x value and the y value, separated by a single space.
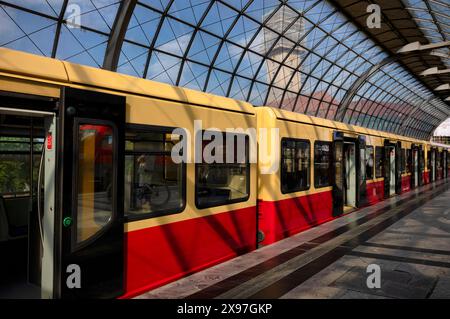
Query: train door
pixel 338 173
pixel 433 165
pixel 361 172
pixel 445 163
pixel 350 174
pixel 416 167
pixel 398 171
pixel 389 169
pixel 421 160
pixel 392 174
pixel 90 195
pixel 27 171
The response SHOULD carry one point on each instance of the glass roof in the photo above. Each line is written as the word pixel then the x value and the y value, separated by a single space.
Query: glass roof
pixel 433 18
pixel 303 56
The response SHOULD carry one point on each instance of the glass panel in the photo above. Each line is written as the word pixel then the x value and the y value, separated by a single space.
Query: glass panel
pixel 369 162
pixel 403 160
pixel 322 159
pixel 362 162
pixel 153 182
pixel 94 180
pixel 295 163
pixel 379 162
pixel 408 161
pixel 338 150
pixel 438 160
pixel 422 161
pixel 225 178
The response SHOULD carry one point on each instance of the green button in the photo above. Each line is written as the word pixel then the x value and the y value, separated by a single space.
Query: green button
pixel 67 221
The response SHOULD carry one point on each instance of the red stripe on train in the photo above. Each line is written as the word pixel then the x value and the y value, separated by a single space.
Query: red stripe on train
pixel 426 177
pixel 284 218
pixel 157 255
pixel 375 192
pixel 406 183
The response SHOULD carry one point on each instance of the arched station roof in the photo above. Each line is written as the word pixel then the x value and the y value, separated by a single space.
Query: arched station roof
pixel 316 57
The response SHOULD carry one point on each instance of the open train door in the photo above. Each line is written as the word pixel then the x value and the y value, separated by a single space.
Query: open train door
pixel 433 164
pixel 362 189
pixel 27 165
pixel 386 168
pixel 90 195
pixel 420 164
pixel 445 164
pixel 414 166
pixel 398 171
pixel 338 173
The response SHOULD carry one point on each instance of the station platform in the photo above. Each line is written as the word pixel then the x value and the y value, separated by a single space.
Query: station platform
pixel 407 236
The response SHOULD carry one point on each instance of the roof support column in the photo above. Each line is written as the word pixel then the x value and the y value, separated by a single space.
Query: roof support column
pixel 117 34
pixel 342 109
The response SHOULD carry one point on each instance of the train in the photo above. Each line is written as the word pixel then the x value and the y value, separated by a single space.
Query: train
pixel 100 209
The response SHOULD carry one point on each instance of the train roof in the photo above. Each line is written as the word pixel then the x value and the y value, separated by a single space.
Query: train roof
pixel 52 70
pixel 307 119
pixel 43 69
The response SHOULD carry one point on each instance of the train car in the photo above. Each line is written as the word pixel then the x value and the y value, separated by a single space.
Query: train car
pixel 328 169
pixel 436 162
pixel 113 202
pixel 96 203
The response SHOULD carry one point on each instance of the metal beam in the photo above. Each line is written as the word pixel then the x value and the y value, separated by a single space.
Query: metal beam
pixel 117 34
pixel 416 46
pixel 440 54
pixel 434 71
pixel 342 109
pixel 443 87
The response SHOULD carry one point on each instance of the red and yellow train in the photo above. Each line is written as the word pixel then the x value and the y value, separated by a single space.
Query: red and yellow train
pixel 107 212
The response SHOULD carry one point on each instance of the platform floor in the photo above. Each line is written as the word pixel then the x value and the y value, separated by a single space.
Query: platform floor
pixel 407 236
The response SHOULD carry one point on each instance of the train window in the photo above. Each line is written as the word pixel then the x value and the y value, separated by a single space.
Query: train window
pixel 369 162
pixel 295 165
pixel 429 160
pixel 154 184
pixel 322 160
pixel 222 180
pixel 403 160
pixel 94 179
pixel 378 162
